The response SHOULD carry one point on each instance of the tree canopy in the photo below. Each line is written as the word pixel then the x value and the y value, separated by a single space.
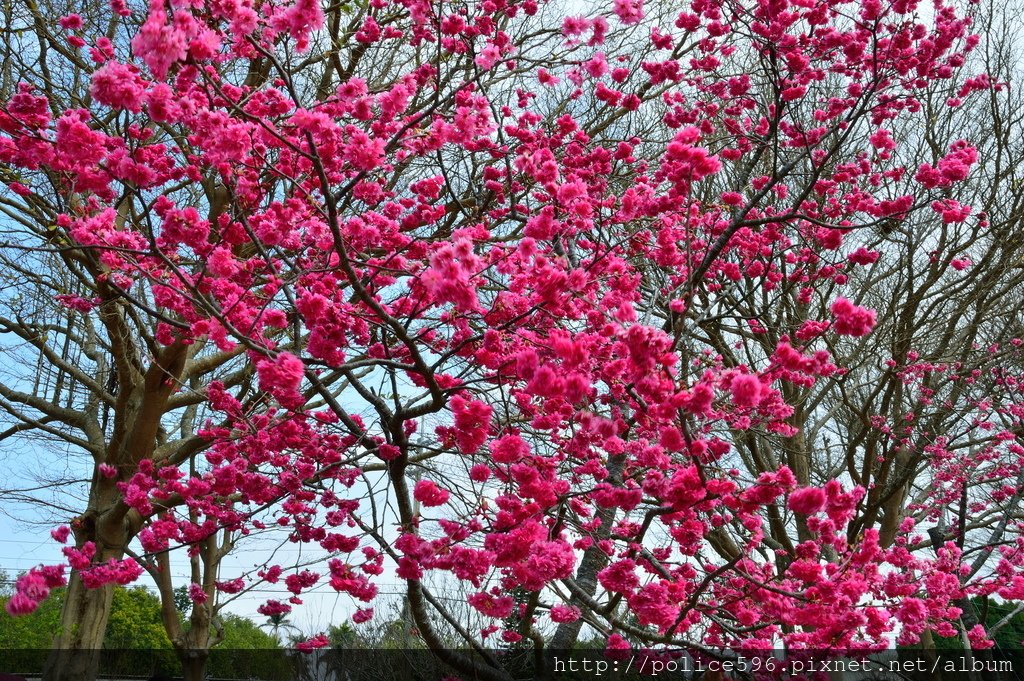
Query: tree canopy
pixel 688 325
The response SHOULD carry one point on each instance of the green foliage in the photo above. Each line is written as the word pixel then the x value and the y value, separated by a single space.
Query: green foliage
pixel 33 631
pixel 241 633
pixel 136 641
pixel 345 636
pixel 280 626
pixel 989 613
pixel 25 640
pixel 267 659
pixel 135 621
pixel 1011 636
pixel 1008 639
pixel 182 601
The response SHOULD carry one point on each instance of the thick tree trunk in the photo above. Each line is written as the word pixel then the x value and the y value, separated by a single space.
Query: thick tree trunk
pixel 75 652
pixel 83 619
pixel 193 646
pixel 141 402
pixel 193 663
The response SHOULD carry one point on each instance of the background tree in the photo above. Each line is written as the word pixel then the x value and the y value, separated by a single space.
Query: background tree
pixel 278 622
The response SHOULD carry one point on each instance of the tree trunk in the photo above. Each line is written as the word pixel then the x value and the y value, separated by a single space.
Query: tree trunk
pixel 193 663
pixel 142 400
pixel 594 559
pixel 193 647
pixel 83 621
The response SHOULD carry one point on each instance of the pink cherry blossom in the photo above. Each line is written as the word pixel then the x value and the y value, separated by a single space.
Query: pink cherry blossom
pixel 629 11
pixel 543 307
pixel 807 500
pixel 429 494
pixel 851 320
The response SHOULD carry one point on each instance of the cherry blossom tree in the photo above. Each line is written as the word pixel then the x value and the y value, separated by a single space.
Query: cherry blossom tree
pixel 84 375
pixel 664 309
